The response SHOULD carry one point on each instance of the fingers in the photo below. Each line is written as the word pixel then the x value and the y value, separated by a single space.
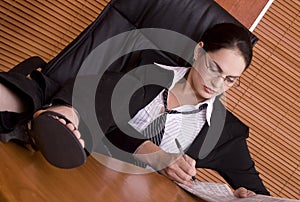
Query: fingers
pixel 191 161
pixel 176 176
pixel 188 166
pixel 181 170
pixel 243 193
pixel 171 165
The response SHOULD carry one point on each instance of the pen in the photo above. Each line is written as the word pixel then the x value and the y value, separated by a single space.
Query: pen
pixel 182 154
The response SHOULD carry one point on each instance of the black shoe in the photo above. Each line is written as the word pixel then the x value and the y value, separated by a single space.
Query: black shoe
pixel 56 142
pixel 13 127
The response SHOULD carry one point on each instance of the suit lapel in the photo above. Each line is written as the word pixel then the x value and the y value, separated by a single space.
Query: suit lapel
pixel 194 149
pixel 154 80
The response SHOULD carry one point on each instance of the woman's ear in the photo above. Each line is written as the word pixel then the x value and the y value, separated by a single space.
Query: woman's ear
pixel 198 49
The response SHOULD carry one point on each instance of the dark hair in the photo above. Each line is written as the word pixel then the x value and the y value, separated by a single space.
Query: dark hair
pixel 230 36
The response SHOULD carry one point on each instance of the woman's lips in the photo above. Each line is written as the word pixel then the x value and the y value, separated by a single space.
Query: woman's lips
pixel 208 90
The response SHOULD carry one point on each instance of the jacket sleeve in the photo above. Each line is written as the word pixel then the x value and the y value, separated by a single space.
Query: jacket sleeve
pixel 120 96
pixel 238 168
pixel 113 111
pixel 123 142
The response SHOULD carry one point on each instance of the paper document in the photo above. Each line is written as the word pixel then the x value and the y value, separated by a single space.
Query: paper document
pixel 219 192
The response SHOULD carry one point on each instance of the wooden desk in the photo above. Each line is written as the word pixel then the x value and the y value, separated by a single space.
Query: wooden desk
pixel 27 176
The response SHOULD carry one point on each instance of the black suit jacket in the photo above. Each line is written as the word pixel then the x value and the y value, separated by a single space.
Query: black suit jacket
pixel 221 146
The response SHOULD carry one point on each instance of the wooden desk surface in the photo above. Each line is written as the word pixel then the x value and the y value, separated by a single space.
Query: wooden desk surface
pixel 27 176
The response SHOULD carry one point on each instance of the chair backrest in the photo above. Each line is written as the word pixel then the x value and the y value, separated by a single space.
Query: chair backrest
pixel 188 17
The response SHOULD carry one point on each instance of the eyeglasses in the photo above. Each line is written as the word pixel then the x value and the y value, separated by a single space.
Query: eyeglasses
pixel 214 70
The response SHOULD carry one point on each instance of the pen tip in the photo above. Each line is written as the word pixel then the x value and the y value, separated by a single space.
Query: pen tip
pixel 177 143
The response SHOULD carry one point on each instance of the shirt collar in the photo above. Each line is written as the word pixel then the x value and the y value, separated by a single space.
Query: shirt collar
pixel 179 73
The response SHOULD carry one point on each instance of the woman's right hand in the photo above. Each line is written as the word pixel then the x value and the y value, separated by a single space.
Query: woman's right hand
pixel 171 165
pixel 179 169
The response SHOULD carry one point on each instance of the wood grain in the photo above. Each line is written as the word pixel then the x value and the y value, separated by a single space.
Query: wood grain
pixel 26 176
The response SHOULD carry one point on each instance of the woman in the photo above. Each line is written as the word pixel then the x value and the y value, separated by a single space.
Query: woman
pixel 191 100
pixel 219 60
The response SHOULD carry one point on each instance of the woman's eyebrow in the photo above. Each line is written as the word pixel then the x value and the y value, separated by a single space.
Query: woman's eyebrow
pixel 218 66
pixel 234 77
pixel 221 71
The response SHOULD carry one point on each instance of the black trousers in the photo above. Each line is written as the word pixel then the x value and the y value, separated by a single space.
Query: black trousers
pixel 38 90
pixel 35 90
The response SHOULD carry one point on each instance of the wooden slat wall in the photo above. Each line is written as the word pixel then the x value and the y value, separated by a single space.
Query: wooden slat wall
pixel 267 101
pixel 274 90
pixel 40 27
pixel 245 11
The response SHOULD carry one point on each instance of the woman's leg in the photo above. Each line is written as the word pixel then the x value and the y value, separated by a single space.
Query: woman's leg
pixel 13 108
pixel 53 130
pixel 10 101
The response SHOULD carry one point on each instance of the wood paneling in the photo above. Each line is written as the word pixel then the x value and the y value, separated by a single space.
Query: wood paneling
pixel 269 99
pixel 43 28
pixel 246 11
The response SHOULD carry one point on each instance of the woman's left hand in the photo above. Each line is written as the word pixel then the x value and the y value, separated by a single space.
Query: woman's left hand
pixel 243 193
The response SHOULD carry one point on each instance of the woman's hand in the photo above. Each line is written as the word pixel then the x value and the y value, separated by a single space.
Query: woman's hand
pixel 243 193
pixel 173 166
pixel 179 169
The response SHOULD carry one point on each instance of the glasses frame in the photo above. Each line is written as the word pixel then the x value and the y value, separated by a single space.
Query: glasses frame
pixel 211 71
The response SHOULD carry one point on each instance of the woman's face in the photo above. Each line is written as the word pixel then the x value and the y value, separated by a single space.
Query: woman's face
pixel 215 72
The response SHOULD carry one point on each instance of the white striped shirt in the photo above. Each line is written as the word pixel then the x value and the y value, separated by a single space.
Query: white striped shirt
pixel 184 127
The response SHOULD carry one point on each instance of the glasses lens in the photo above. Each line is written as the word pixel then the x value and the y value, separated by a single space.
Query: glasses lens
pixel 232 82
pixel 211 66
pixel 214 70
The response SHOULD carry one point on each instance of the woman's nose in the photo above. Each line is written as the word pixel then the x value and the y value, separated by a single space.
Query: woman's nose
pixel 217 82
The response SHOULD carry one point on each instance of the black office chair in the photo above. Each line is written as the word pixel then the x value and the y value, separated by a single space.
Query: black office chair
pixel 157 24
pixel 188 17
